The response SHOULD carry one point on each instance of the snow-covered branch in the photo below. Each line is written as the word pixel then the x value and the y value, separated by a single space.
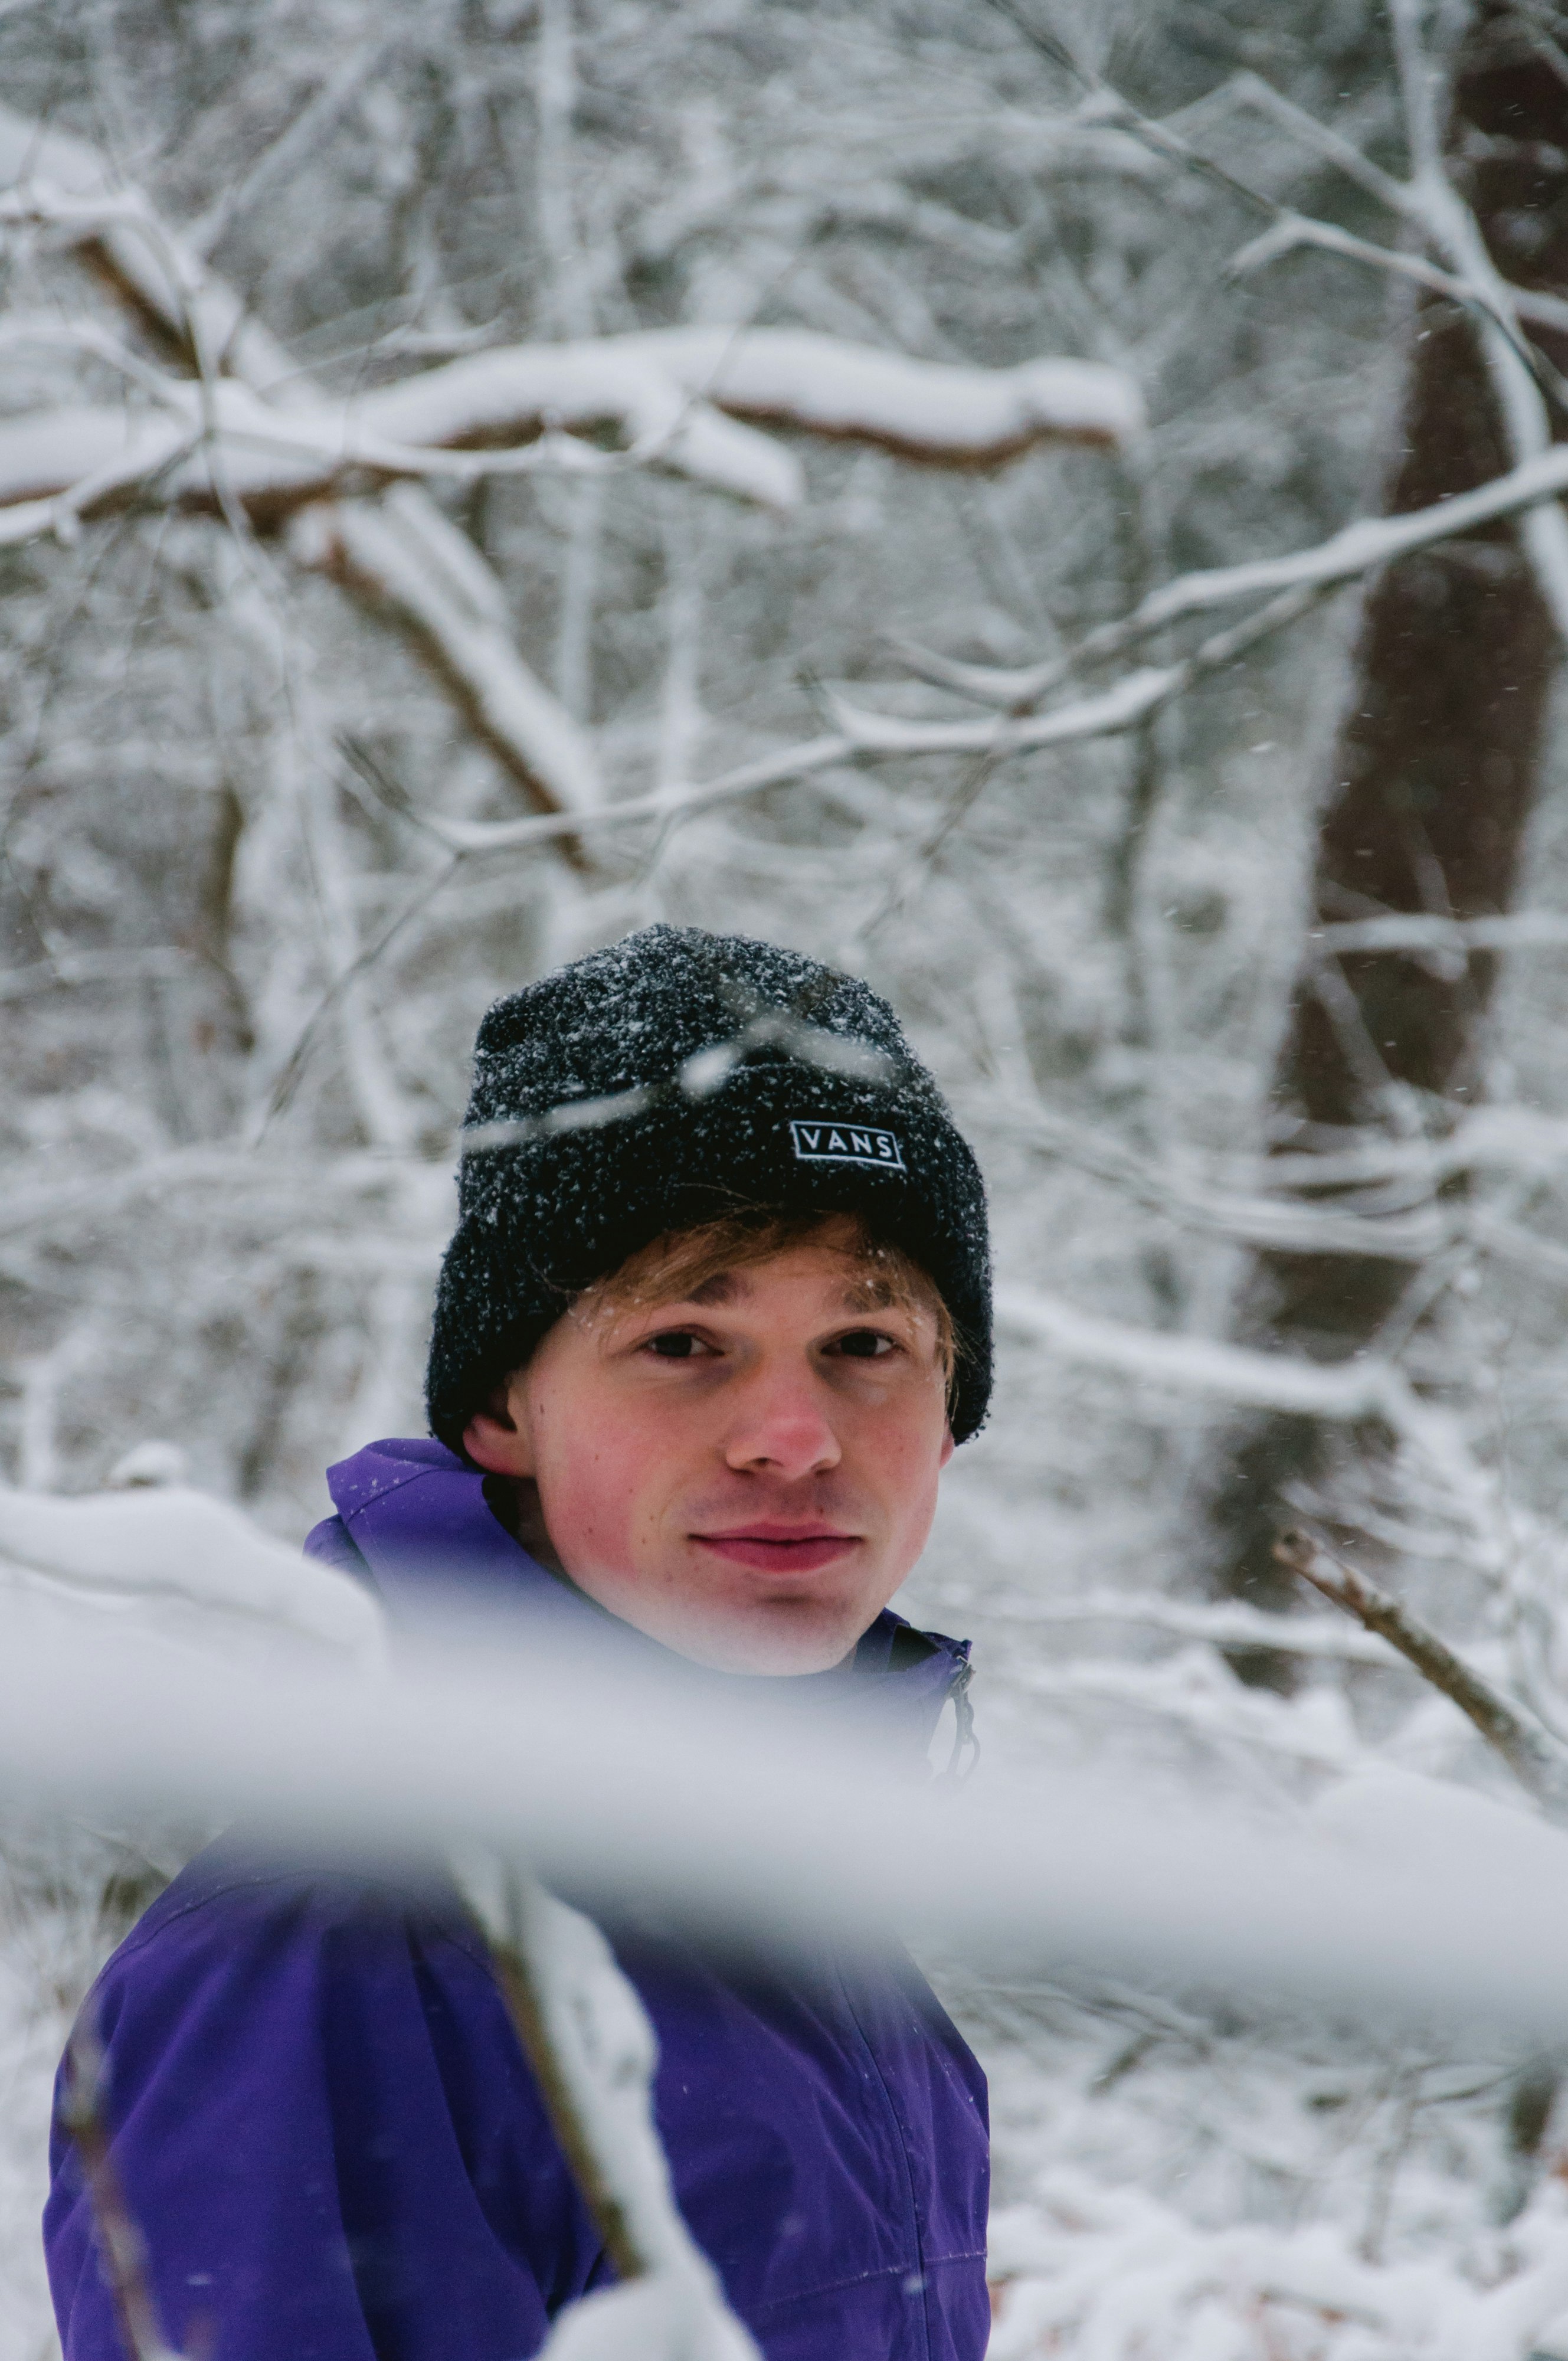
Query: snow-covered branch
pixel 933 410
pixel 1502 1139
pixel 1428 203
pixel 1293 231
pixel 1227 1623
pixel 744 1818
pixel 1406 1230
pixel 666 396
pixel 434 578
pixel 1425 934
pixel 1355 550
pixel 169 1542
pixel 400 552
pixel 867 736
pixel 1343 1392
pixel 588 2037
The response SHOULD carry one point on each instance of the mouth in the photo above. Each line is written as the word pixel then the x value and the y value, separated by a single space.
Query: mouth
pixel 768 1546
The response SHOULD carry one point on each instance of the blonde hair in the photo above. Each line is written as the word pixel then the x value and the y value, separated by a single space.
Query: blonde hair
pixel 669 1268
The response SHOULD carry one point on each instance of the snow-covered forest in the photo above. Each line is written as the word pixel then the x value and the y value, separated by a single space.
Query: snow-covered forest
pixel 1050 507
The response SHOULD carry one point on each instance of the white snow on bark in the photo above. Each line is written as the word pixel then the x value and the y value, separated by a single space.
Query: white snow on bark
pixel 665 418
pixel 516 393
pixel 454 603
pixel 929 409
pixel 602 2054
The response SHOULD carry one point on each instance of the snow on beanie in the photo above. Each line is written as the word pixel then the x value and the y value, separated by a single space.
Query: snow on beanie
pixel 672 1078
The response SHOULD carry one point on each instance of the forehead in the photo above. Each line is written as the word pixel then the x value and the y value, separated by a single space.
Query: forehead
pixel 818 1268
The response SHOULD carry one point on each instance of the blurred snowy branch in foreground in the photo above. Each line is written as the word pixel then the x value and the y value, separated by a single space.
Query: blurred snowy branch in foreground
pixel 1400 1898
pixel 772 1822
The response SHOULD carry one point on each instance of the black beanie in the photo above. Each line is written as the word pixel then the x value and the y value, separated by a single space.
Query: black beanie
pixel 675 1077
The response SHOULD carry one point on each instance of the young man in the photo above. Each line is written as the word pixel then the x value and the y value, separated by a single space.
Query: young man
pixel 715 1312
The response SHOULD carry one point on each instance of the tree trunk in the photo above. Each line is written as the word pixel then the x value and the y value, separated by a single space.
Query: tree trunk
pixel 1435 767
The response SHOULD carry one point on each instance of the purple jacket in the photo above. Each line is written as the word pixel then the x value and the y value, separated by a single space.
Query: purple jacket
pixel 326 2128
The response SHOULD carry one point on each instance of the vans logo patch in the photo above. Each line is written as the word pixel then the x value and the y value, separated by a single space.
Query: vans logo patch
pixel 819 1142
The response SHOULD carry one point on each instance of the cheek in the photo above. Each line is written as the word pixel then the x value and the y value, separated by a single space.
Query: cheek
pixel 901 1455
pixel 601 1499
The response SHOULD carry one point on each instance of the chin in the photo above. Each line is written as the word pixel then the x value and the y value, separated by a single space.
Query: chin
pixel 759 1644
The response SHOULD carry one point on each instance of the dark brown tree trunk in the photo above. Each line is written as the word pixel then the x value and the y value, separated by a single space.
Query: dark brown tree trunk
pixel 1435 767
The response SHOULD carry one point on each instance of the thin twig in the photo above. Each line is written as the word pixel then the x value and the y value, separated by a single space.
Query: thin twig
pixel 1131 704
pixel 1112 108
pixel 294 1066
pixel 1536 1760
pixel 519 1990
pixel 120 2242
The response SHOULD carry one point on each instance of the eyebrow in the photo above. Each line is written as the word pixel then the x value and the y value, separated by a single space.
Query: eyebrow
pixel 723 1287
pixel 869 1294
pixel 862 1294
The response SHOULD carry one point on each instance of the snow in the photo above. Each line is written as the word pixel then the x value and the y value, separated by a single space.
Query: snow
pixel 926 409
pixel 172 1558
pixel 1226 1623
pixel 1124 2275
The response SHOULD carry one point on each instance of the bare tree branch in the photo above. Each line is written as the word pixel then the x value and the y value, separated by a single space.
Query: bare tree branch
pixel 1535 1758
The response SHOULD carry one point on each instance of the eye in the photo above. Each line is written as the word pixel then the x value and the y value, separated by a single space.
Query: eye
pixel 675 1344
pixel 864 1345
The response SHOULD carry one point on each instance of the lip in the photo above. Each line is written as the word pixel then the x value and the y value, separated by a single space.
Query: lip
pixel 768 1545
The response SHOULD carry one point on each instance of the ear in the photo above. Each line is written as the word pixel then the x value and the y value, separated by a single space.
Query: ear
pixel 496 1439
pixel 949 1446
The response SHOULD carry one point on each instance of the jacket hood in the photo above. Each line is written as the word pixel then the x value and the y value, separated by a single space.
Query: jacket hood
pixel 416 1522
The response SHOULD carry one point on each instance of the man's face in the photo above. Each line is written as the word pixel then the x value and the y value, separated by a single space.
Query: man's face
pixel 746 1474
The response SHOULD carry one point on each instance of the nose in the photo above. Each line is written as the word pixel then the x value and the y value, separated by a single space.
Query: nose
pixel 782 1427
